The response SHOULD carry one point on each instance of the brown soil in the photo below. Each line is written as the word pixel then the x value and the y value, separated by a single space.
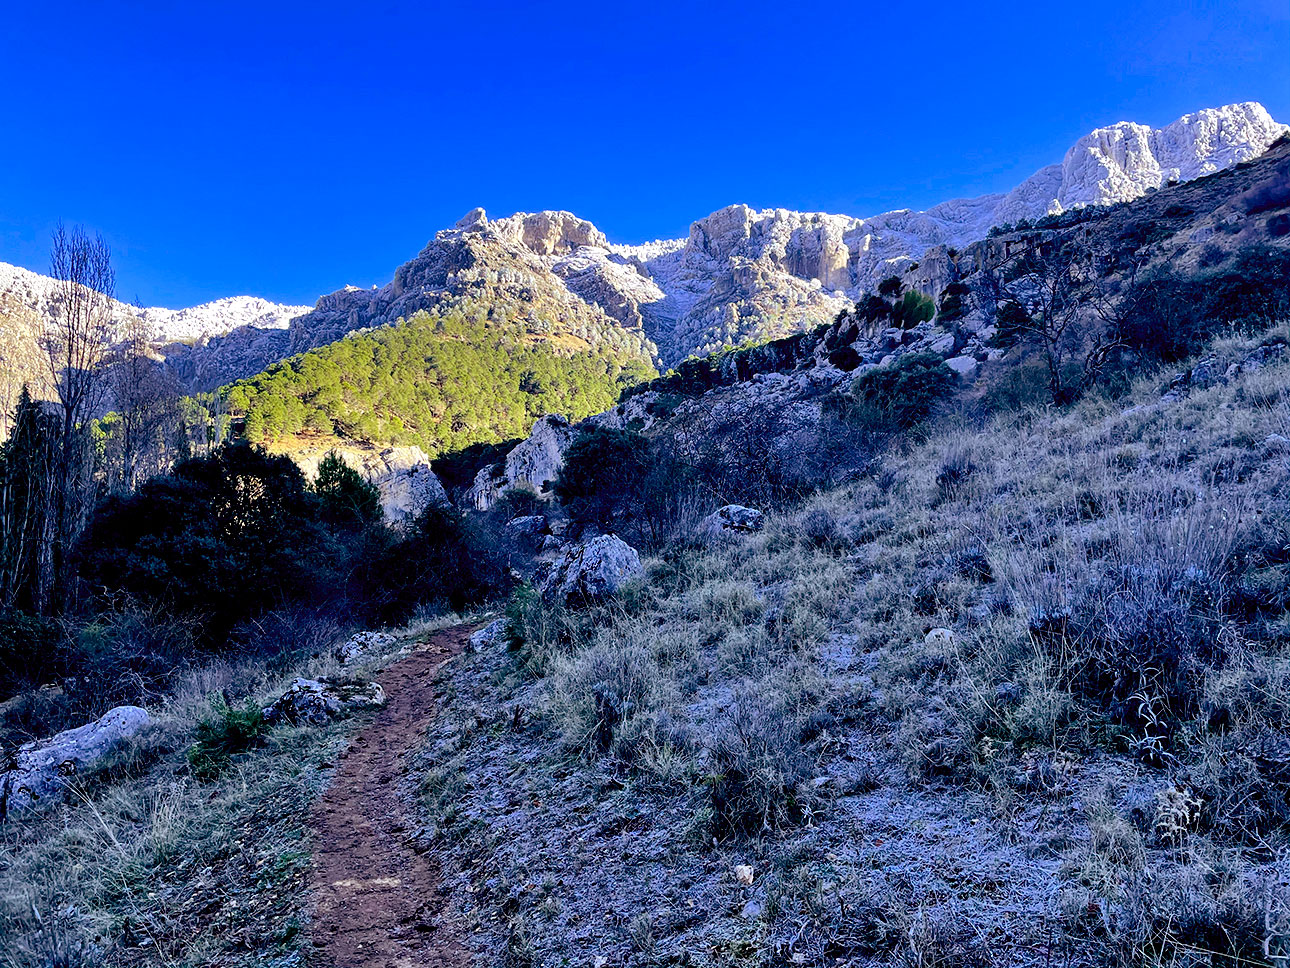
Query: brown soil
pixel 378 901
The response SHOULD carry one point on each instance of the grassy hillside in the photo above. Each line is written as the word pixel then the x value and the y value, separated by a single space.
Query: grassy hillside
pixel 1086 766
pixel 443 383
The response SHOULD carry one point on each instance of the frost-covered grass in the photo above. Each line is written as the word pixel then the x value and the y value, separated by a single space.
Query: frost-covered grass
pixel 1091 766
pixel 153 861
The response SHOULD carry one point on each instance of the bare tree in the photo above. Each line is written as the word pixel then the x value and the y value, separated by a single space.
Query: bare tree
pixel 145 397
pixel 76 346
pixel 1054 293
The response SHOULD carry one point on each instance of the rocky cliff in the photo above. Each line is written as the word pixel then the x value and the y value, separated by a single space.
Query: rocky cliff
pixel 741 274
pixel 206 345
pixel 747 274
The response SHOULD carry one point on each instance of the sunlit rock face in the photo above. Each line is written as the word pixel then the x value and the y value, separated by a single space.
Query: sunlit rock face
pixel 741 274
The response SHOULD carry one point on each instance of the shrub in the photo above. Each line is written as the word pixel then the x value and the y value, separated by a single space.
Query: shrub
pixel 444 559
pixel 224 537
pixel 891 287
pixel 956 467
pixel 601 468
pixel 903 394
pixel 756 763
pixel 224 734
pixel 29 653
pixel 913 308
pixel 600 694
pixel 953 304
pixel 1019 387
pixel 347 500
pixel 1132 632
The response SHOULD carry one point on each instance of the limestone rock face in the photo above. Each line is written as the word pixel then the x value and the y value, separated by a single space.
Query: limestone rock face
pixel 592 571
pixel 319 701
pixel 402 474
pixel 44 767
pixel 740 273
pixel 532 464
pixel 502 268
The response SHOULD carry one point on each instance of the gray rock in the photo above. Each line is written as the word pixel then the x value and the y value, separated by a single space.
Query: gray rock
pixel 530 527
pixel 318 701
pixel 361 644
pixel 592 571
pixel 942 344
pixel 532 464
pixel 43 767
pixel 962 365
pixel 551 543
pixel 490 634
pixel 730 520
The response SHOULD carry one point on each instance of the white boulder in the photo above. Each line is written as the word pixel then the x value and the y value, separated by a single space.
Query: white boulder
pixel 593 570
pixel 44 767
pixel 730 520
pixel 363 643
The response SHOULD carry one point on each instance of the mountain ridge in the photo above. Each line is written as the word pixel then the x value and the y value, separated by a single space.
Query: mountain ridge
pixel 741 274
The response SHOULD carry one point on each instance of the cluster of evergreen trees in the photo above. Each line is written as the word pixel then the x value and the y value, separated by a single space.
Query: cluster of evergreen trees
pixel 441 382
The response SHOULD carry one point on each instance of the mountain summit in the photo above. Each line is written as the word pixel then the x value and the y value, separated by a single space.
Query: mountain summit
pixel 741 274
pixel 748 274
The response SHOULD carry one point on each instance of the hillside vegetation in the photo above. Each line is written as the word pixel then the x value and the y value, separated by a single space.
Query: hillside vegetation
pixel 1086 764
pixel 440 382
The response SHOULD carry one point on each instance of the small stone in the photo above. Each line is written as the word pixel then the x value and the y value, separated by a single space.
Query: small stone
pixel 744 874
pixel 940 637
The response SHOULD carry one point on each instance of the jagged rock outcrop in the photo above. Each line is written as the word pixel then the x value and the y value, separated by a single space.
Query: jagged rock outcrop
pixel 532 465
pixel 592 570
pixel 44 768
pixel 498 269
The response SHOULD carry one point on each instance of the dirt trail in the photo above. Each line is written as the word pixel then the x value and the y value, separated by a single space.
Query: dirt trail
pixel 377 900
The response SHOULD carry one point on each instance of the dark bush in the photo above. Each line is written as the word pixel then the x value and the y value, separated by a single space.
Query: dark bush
pixel 601 468
pixel 445 559
pixel 224 734
pixel 224 537
pixel 29 652
pixel 904 393
pixel 891 287
pixel 913 308
pixel 346 499
pixel 1169 317
pixel 953 304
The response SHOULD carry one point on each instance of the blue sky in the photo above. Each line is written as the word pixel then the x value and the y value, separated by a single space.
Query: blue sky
pixel 285 150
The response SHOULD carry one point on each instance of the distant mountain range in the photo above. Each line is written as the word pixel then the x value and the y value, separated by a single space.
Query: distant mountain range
pixel 741 274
